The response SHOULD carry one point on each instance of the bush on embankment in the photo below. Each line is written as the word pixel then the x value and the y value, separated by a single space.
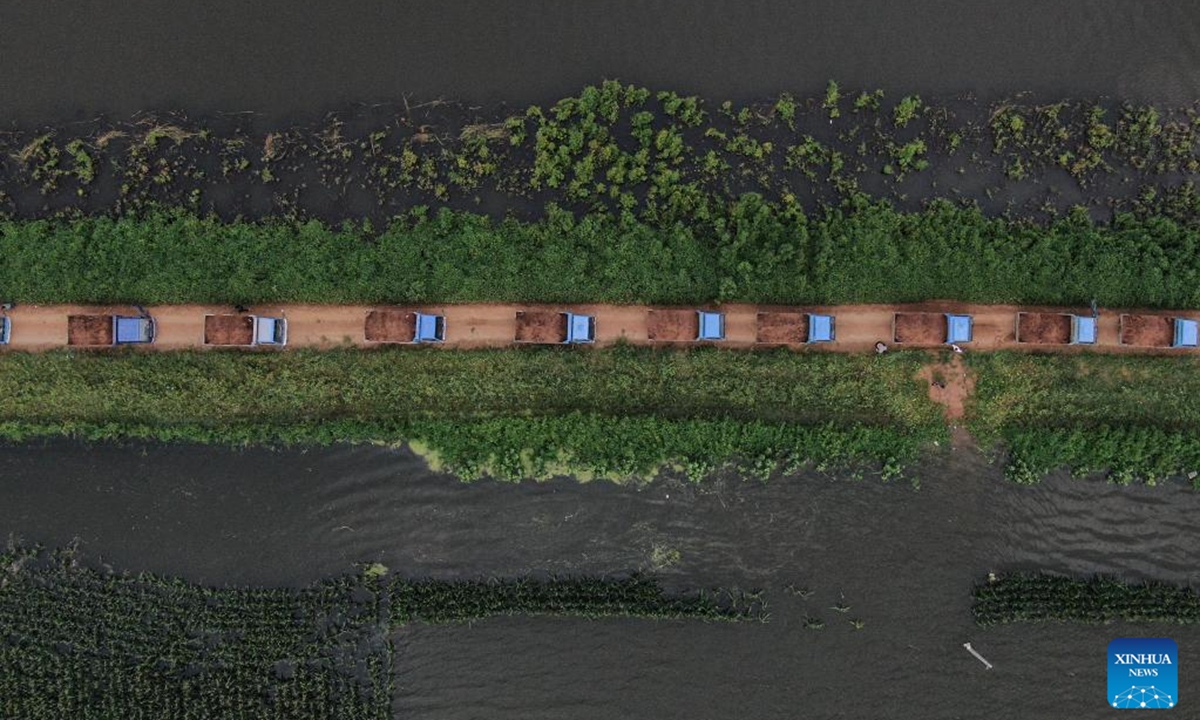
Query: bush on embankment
pixel 513 413
pixel 1132 418
pixel 1038 597
pixel 746 249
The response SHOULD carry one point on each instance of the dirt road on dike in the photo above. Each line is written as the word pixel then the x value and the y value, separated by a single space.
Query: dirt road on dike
pixel 857 327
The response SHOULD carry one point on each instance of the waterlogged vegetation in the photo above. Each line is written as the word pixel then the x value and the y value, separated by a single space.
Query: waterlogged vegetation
pixel 617 193
pixel 612 146
pixel 1129 418
pixel 497 412
pixel 439 601
pixel 1038 597
pixel 81 643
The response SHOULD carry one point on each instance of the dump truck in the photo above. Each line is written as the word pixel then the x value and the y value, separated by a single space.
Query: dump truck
pixel 107 330
pixel 793 328
pixel 404 326
pixel 686 325
pixel 931 328
pixel 1049 328
pixel 554 328
pixel 680 325
pixel 1160 331
pixel 243 330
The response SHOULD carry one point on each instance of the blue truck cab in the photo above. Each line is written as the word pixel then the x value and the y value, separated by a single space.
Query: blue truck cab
pixel 959 329
pixel 711 326
pixel 5 330
pixel 1186 332
pixel 132 330
pixel 270 331
pixel 429 328
pixel 580 328
pixel 1083 330
pixel 820 328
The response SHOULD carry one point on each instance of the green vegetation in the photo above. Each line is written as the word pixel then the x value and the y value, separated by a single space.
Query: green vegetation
pixel 81 644
pixel 1133 418
pixel 1036 597
pixel 87 645
pixel 752 250
pixel 436 601
pixel 503 412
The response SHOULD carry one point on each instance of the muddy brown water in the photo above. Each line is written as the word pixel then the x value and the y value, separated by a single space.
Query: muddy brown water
pixel 76 58
pixel 904 561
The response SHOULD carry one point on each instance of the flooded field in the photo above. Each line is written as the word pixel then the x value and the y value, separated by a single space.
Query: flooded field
pixel 903 560
pixel 232 56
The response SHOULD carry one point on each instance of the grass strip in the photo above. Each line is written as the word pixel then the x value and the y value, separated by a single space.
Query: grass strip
pixel 1039 597
pixel 1131 418
pixel 509 413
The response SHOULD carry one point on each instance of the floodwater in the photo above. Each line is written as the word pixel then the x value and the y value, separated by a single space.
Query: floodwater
pixel 904 560
pixel 76 58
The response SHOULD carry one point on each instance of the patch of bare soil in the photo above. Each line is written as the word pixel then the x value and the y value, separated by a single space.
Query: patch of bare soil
pixel 921 328
pixel 671 325
pixel 89 330
pixel 1147 330
pixel 1043 328
pixel 228 330
pixel 787 328
pixel 951 385
pixel 541 326
pixel 390 326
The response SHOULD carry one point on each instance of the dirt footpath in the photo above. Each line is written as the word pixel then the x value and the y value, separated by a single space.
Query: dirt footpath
pixel 858 327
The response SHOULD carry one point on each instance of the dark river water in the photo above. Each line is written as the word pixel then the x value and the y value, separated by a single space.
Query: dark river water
pixel 69 58
pixel 904 560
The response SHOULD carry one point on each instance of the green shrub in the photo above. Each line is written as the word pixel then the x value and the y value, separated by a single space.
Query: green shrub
pixel 857 252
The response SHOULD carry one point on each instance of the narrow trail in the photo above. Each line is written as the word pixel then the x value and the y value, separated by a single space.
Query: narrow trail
pixel 951 385
pixel 858 327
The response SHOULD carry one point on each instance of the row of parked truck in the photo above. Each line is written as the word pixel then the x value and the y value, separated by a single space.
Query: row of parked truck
pixel 396 325
pixel 777 327
pixel 1048 328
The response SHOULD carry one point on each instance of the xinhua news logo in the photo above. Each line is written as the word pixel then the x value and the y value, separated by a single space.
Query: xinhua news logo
pixel 1143 673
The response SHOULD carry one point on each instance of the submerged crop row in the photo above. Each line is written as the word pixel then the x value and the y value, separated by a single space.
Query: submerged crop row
pixel 509 413
pixel 1037 597
pixel 79 643
pixel 745 249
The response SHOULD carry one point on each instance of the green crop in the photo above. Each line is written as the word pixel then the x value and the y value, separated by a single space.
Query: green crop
pixel 90 645
pixel 1037 597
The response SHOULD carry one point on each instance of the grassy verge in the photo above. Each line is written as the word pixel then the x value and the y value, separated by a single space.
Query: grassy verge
pixel 89 645
pixel 1035 597
pixel 745 249
pixel 1133 418
pixel 509 413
